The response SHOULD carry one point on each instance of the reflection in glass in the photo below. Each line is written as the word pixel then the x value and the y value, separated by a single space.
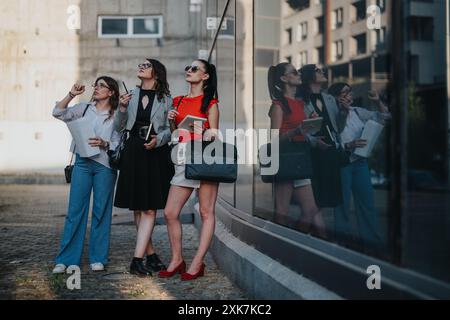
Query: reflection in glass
pixel 293 180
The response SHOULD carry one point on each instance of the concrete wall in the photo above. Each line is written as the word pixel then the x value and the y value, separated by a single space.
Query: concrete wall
pixel 38 63
pixel 40 59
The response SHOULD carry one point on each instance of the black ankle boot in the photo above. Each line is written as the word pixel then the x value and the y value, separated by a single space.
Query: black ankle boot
pixel 137 267
pixel 154 263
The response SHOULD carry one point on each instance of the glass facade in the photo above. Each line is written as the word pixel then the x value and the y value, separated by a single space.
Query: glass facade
pixel 391 202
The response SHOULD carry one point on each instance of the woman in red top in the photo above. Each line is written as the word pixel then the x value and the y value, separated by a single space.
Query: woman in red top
pixel 287 114
pixel 201 102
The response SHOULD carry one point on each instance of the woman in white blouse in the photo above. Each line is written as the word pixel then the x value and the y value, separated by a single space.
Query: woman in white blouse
pixel 355 177
pixel 90 174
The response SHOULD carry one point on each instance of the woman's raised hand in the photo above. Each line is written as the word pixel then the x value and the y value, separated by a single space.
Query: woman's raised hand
pixel 77 89
pixel 124 100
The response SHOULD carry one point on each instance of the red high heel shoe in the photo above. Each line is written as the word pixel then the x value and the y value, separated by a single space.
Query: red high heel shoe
pixel 181 268
pixel 187 276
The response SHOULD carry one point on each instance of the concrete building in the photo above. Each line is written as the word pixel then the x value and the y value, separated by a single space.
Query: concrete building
pixel 49 45
pixel 42 58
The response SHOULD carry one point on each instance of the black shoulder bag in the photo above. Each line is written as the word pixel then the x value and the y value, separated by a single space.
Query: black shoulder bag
pixel 213 161
pixel 115 156
pixel 294 161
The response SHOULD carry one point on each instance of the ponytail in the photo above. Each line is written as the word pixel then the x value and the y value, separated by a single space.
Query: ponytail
pixel 209 86
pixel 276 86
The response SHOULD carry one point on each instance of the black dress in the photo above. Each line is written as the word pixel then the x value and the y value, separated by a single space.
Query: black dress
pixel 326 181
pixel 145 175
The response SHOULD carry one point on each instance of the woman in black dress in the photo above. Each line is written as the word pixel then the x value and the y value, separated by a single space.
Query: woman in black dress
pixel 326 155
pixel 145 169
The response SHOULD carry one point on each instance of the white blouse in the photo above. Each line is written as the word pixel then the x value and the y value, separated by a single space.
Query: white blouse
pixel 103 129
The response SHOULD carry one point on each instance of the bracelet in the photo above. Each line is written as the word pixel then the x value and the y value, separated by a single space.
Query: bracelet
pixel 71 95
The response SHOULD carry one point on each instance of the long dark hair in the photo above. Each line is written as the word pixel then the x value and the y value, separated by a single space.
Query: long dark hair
pixel 114 99
pixel 276 85
pixel 209 86
pixel 335 90
pixel 160 74
pixel 308 76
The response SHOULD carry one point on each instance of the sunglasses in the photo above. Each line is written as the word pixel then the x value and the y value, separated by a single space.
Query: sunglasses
pixel 294 72
pixel 100 85
pixel 320 71
pixel 145 66
pixel 194 69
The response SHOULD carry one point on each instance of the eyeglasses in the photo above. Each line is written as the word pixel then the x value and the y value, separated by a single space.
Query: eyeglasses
pixel 194 69
pixel 100 85
pixel 145 65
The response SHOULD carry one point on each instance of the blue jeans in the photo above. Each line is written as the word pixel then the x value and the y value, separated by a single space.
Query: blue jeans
pixel 88 175
pixel 355 180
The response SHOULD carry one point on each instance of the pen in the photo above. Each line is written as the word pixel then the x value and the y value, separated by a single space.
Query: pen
pixel 123 82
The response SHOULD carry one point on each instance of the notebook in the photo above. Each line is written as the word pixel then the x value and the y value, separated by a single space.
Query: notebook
pixel 188 122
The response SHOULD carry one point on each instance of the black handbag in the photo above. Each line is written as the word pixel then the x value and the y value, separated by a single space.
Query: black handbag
pixel 204 164
pixel 69 168
pixel 115 156
pixel 68 171
pixel 294 162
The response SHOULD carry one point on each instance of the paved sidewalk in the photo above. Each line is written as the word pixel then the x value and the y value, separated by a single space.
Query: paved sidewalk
pixel 31 221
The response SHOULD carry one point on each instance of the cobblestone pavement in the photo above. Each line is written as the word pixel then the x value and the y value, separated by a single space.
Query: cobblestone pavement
pixel 31 222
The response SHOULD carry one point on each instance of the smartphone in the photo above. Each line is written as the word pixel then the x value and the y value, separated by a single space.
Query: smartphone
pixel 126 90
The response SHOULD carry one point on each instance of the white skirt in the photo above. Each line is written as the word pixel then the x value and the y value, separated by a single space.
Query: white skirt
pixel 179 153
pixel 180 180
pixel 302 183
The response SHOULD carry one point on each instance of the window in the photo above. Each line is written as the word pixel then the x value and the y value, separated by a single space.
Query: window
pixel 303 58
pixel 288 34
pixel 320 25
pixel 130 27
pixel 319 55
pixel 227 31
pixel 338 50
pixel 302 31
pixel 337 18
pixel 288 59
pixel 358 11
pixel 380 36
pixel 359 44
pixel 421 28
pixel 382 5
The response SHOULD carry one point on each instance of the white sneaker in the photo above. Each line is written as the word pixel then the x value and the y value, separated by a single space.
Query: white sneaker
pixel 98 266
pixel 59 268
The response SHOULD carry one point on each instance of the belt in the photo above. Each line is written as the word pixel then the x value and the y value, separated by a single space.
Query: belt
pixel 141 132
